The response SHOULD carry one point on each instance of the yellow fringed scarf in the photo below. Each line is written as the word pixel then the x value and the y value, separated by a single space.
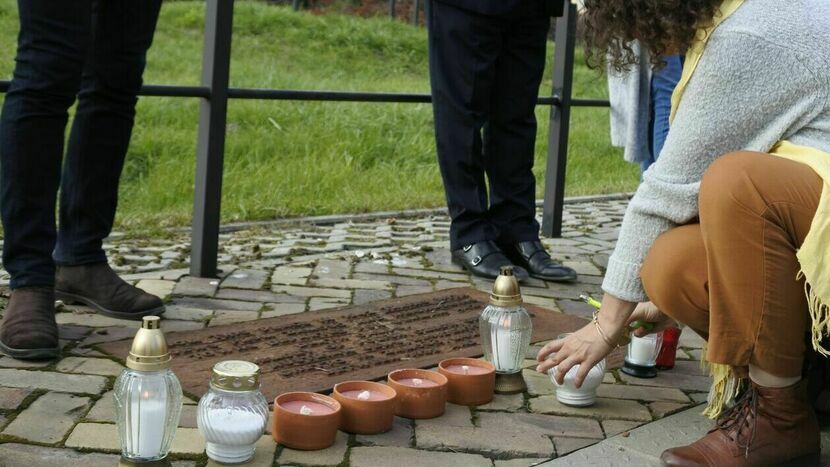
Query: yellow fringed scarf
pixel 814 254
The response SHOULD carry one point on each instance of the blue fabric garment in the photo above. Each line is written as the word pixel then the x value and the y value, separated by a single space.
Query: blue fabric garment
pixel 663 82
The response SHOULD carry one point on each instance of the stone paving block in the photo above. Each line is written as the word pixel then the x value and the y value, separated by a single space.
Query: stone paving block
pixel 511 403
pixel 670 379
pixel 371 268
pixel 324 303
pixel 576 308
pixel 546 425
pixel 282 309
pixel 176 325
pixel 520 462
pixel 290 275
pixel 257 296
pixel 332 269
pixel 538 384
pixel 25 455
pixel 641 393
pixel 583 268
pixel 330 456
pixel 108 334
pixel 446 275
pixel 103 410
pixel 352 284
pixel 245 279
pixel 615 427
pixel 604 409
pixel 71 332
pixel 602 455
pixel 60 382
pixel 312 291
pixel 455 415
pixel 186 314
pixel 401 435
pixel 49 418
pixel 219 304
pixel 362 297
pixel 160 288
pixel 89 366
pixel 11 398
pixel 263 456
pixel 565 446
pixel 405 290
pixel 699 397
pixel 392 456
pixel 661 409
pixel 400 280
pixel 223 317
pixel 104 437
pixel 491 442
pixel 196 286
pixel 94 320
pixel 675 430
pixel 690 339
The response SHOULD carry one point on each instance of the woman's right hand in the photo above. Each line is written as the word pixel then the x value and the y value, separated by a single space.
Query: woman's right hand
pixel 648 312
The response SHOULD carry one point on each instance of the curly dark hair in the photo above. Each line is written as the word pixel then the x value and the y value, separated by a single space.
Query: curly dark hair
pixel 664 27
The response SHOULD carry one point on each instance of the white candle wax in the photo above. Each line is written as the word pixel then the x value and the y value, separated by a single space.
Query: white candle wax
pixel 146 419
pixel 236 427
pixel 503 351
pixel 641 351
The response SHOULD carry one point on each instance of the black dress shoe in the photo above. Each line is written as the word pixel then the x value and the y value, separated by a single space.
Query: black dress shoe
pixel 485 259
pixel 532 256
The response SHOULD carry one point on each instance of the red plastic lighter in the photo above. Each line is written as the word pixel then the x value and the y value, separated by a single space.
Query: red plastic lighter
pixel 665 359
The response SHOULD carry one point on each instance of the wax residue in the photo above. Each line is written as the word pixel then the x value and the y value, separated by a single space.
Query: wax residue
pixel 306 410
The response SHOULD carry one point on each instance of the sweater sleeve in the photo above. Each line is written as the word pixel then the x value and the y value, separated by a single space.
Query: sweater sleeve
pixel 746 94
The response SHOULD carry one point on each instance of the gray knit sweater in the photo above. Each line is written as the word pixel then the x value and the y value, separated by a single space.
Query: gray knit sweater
pixel 763 77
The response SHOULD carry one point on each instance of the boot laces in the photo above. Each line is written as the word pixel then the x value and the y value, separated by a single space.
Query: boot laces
pixel 740 417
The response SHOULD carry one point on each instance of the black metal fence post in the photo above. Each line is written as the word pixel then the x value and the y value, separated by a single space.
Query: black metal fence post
pixel 560 116
pixel 416 11
pixel 210 149
pixel 391 8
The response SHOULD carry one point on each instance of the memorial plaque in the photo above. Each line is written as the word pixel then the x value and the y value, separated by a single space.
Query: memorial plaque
pixel 314 351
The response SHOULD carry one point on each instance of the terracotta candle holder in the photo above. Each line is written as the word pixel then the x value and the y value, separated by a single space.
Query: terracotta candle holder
pixel 368 408
pixel 422 394
pixel 305 420
pixel 469 381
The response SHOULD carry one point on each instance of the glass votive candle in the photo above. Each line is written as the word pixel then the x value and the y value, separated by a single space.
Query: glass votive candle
pixel 368 408
pixel 233 413
pixel 469 381
pixel 305 420
pixel 422 394
pixel 583 396
pixel 641 358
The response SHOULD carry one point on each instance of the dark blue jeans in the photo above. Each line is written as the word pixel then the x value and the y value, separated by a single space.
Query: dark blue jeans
pixel 663 82
pixel 92 50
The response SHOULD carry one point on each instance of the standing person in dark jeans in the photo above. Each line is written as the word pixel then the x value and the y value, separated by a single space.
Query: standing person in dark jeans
pixel 486 60
pixel 92 50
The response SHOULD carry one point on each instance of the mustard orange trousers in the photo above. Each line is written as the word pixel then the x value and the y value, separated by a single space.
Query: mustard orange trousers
pixel 732 276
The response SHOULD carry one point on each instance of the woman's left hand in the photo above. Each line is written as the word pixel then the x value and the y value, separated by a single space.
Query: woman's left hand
pixel 586 347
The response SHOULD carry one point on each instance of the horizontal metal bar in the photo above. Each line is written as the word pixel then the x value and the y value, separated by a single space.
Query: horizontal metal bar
pixel 331 96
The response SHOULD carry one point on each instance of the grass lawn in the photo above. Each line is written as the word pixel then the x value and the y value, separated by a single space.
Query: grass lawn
pixel 296 158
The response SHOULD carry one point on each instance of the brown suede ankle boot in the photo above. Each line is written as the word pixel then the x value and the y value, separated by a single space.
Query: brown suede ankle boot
pixel 98 286
pixel 766 426
pixel 29 330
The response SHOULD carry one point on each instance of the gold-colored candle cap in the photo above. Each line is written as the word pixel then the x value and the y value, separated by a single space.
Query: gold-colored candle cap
pixel 235 375
pixel 506 292
pixel 149 350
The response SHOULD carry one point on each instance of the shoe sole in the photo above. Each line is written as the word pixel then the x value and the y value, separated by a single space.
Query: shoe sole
pixel 30 354
pixel 474 272
pixel 137 316
pixel 571 278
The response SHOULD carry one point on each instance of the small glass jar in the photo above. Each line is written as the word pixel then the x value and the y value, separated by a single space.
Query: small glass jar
pixel 505 325
pixel 583 396
pixel 148 397
pixel 233 413
pixel 641 358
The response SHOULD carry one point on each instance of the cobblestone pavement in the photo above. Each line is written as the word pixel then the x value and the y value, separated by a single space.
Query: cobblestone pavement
pixel 56 411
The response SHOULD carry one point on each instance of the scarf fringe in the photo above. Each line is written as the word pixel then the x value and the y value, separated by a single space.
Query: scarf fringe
pixel 725 386
pixel 819 315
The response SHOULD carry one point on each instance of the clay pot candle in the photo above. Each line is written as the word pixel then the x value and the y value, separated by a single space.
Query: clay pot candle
pixel 305 420
pixel 368 408
pixel 422 394
pixel 469 381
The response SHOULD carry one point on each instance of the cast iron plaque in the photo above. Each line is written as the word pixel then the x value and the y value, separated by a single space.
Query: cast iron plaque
pixel 313 351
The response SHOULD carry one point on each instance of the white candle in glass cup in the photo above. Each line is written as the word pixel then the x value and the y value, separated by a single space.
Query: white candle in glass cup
pixel 147 421
pixel 643 350
pixel 503 353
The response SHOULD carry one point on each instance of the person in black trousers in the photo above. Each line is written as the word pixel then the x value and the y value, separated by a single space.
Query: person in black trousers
pixel 93 51
pixel 486 60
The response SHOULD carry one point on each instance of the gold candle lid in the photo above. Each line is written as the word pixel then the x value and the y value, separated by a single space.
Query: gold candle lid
pixel 506 291
pixel 149 350
pixel 235 375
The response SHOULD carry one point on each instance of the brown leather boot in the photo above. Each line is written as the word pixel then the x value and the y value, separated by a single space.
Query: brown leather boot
pixel 29 330
pixel 98 286
pixel 766 426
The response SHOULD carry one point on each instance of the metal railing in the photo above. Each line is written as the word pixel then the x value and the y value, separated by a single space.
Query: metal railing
pixel 214 93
